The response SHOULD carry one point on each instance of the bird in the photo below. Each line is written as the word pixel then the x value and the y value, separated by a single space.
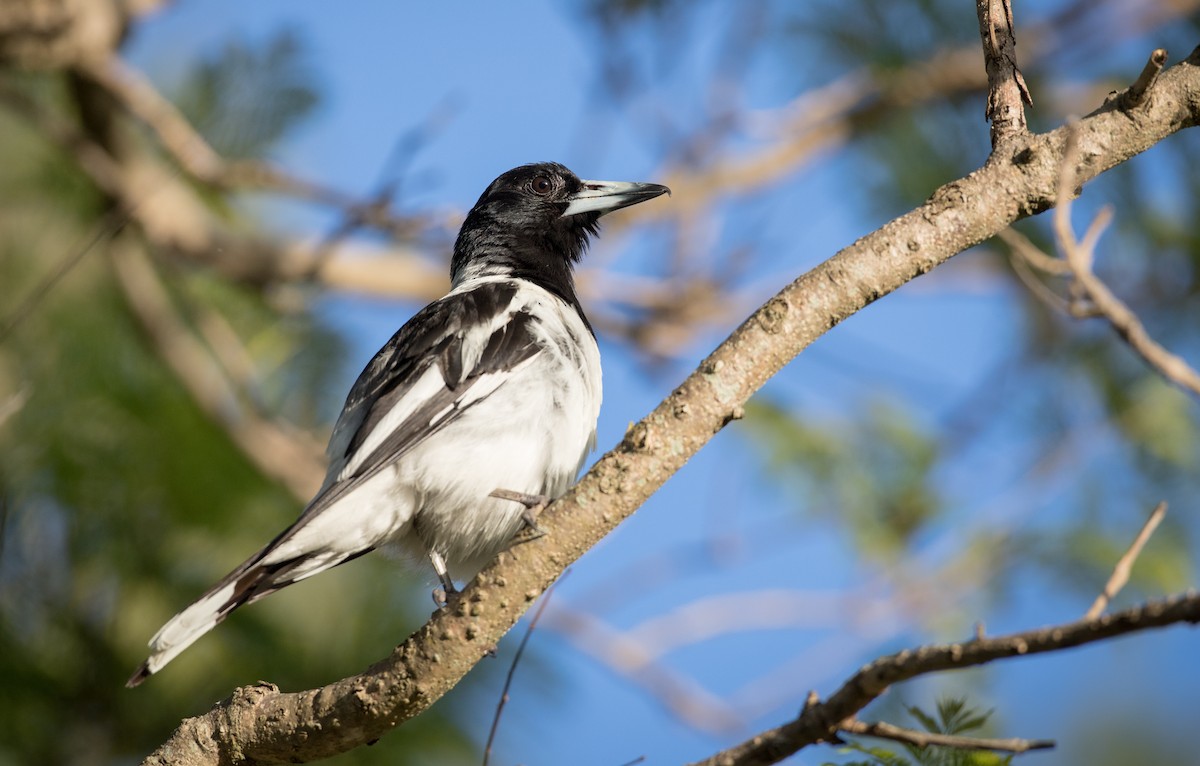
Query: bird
pixel 480 409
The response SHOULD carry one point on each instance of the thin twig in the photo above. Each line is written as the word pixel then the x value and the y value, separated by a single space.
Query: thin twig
pixel 1080 257
pixel 107 227
pixel 687 700
pixel 1033 255
pixel 512 669
pixel 194 154
pixel 881 730
pixel 1124 566
pixel 272 447
pixel 1007 91
pixel 12 405
pixel 1025 257
pixel 1136 94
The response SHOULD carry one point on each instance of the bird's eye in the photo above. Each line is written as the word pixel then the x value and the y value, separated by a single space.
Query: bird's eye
pixel 541 185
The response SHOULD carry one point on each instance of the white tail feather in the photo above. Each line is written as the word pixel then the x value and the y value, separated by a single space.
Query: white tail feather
pixel 182 630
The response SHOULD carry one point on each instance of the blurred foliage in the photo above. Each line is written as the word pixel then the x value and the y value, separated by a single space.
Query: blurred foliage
pixel 849 40
pixel 619 13
pixel 953 717
pixel 244 97
pixel 872 473
pixel 120 501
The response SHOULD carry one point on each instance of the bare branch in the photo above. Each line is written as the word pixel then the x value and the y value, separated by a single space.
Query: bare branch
pixel 131 89
pixel 1124 566
pixel 1033 255
pixel 1080 256
pixel 188 148
pixel 13 404
pixel 883 730
pixel 276 450
pixel 1007 92
pixel 822 720
pixel 679 695
pixel 1136 94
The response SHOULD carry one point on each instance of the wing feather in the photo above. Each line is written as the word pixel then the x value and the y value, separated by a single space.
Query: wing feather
pixel 442 362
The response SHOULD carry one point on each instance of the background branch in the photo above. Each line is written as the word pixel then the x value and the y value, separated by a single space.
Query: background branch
pixel 1080 257
pixel 194 154
pixel 1124 566
pixel 279 451
pixel 1007 92
pixel 821 721
pixel 883 730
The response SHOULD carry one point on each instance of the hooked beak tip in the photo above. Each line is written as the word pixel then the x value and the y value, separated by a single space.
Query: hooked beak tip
pixel 606 196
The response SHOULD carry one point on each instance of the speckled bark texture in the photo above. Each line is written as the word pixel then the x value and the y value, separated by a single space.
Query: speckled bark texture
pixel 260 724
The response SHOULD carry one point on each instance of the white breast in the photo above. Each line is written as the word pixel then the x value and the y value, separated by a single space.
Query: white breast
pixel 531 434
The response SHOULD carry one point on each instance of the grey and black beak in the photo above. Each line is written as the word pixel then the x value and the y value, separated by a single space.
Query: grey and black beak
pixel 606 196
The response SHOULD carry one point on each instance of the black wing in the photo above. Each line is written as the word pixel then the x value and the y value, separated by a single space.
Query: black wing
pixel 434 337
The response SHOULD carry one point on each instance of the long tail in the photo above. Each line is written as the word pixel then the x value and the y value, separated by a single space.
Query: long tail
pixel 257 577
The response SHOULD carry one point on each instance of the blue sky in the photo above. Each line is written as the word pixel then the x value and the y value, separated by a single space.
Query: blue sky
pixel 520 84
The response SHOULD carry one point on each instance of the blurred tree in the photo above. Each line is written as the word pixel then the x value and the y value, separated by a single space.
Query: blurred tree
pixel 110 472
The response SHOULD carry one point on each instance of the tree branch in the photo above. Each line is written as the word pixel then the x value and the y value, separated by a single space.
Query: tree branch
pixel 1007 92
pixel 1097 299
pixel 187 147
pixel 822 720
pixel 1136 94
pixel 1124 566
pixel 177 223
pixel 680 695
pixel 262 724
pixel 883 730
pixel 278 451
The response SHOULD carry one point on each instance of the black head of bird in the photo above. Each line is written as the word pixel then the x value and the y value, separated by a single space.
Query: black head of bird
pixel 534 222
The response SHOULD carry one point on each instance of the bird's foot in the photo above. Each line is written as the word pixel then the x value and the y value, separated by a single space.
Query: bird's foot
pixel 441 597
pixel 534 505
pixel 442 594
